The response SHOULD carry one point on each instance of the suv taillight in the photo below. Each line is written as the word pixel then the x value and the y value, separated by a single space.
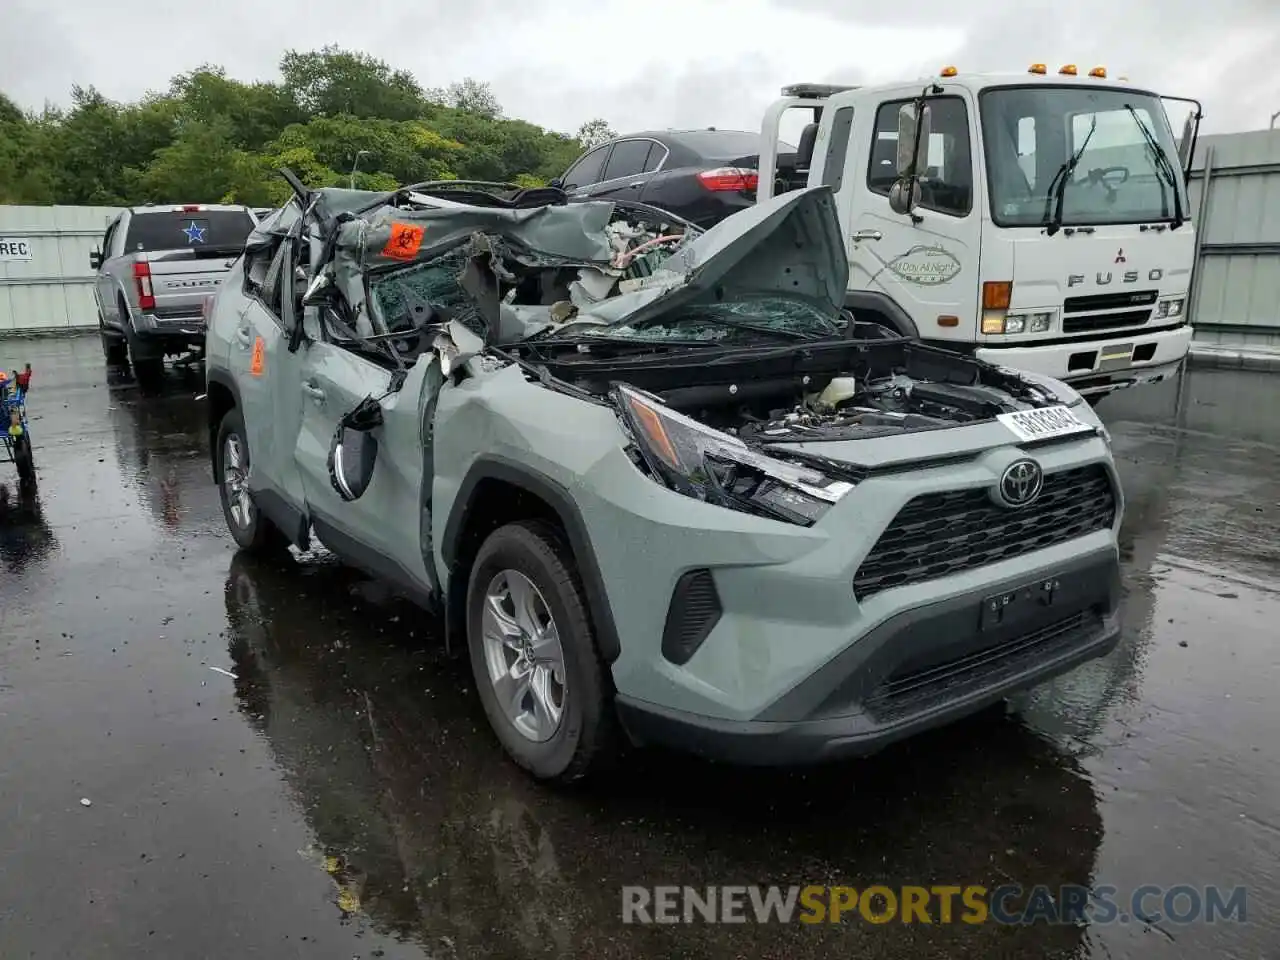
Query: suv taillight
pixel 729 178
pixel 142 277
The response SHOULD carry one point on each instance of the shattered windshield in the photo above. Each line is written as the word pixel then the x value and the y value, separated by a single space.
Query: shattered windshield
pixel 752 319
pixel 400 298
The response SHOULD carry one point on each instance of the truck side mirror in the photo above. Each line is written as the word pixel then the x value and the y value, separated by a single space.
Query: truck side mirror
pixel 1187 143
pixel 913 130
pixel 95 260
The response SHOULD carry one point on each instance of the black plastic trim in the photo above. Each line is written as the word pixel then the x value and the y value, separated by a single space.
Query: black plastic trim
pixel 493 467
pixel 687 627
pixel 371 561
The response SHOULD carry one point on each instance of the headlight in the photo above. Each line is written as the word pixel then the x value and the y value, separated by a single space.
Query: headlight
pixel 1169 308
pixel 708 465
pixel 1040 322
pixel 1015 323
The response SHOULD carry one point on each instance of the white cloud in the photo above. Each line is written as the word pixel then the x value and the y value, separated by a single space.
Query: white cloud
pixel 655 64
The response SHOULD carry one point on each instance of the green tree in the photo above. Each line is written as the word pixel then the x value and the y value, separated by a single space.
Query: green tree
pixel 595 132
pixel 209 137
pixel 331 81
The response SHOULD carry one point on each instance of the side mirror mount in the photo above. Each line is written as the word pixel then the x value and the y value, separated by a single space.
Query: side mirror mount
pixel 315 290
pixel 557 183
pixel 95 260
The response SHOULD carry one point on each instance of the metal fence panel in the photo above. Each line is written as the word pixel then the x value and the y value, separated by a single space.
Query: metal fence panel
pixel 1236 299
pixel 53 289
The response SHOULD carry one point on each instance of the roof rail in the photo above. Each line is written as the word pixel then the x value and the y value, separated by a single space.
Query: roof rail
pixel 816 91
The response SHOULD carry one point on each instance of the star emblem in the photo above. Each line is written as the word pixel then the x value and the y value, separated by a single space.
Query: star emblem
pixel 194 232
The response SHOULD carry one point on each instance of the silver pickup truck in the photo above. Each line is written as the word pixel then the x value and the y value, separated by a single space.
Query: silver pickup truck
pixel 157 268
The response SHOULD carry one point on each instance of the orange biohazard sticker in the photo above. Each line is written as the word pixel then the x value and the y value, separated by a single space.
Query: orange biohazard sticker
pixel 404 241
pixel 259 354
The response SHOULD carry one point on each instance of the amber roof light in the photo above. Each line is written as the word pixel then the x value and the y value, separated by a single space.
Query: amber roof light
pixel 948 71
pixel 1067 70
pixel 1037 68
pixel 1100 72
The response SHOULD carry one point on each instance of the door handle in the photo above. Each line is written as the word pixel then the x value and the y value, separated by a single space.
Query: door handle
pixel 637 185
pixel 866 235
pixel 314 392
pixel 245 336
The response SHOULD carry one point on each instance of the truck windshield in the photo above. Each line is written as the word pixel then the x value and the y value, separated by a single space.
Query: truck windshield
pixel 1031 132
pixel 214 230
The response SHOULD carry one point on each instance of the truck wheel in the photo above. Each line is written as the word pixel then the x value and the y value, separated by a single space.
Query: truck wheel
pixel 534 657
pixel 252 531
pixel 24 461
pixel 149 372
pixel 115 349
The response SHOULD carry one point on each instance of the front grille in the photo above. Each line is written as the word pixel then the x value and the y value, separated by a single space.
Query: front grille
pixel 1109 301
pixel 1105 321
pixel 938 534
pixel 914 691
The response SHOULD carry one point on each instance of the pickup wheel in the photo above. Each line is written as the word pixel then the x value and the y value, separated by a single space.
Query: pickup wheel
pixel 24 461
pixel 114 346
pixel 148 371
pixel 534 657
pixel 252 531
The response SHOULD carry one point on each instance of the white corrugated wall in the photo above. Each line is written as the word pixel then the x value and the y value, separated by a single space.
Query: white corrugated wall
pixel 1237 290
pixel 54 289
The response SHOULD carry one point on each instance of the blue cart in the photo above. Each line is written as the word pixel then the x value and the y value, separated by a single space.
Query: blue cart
pixel 15 435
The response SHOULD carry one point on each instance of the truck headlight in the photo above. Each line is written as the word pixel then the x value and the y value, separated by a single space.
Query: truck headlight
pixel 1170 308
pixel 1040 322
pixel 1015 323
pixel 712 466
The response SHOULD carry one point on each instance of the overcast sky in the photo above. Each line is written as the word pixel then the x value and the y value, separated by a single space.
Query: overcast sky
pixel 654 63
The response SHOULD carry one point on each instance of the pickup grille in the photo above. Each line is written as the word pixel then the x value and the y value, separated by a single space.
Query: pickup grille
pixel 938 534
pixel 1119 311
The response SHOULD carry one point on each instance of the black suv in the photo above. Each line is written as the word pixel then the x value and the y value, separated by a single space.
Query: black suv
pixel 700 175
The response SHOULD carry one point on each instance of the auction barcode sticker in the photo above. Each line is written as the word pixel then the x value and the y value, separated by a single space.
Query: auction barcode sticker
pixel 1044 423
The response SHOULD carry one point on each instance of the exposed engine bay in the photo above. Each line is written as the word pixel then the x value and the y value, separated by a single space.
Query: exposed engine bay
pixel 874 384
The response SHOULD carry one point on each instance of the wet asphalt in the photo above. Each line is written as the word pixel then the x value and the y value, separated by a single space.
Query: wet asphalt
pixel 341 796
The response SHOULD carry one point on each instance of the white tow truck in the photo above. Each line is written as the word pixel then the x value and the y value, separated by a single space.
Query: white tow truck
pixel 1039 220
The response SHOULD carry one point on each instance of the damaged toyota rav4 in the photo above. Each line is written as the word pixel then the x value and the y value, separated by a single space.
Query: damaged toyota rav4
pixel 661 486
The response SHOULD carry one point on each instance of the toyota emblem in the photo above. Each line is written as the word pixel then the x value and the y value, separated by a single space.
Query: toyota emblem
pixel 1020 483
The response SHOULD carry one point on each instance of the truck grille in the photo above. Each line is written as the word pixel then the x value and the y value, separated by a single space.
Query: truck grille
pixel 1119 311
pixel 938 534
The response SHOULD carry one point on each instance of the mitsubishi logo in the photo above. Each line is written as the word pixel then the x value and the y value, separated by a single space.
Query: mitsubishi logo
pixel 1120 255
pixel 1020 483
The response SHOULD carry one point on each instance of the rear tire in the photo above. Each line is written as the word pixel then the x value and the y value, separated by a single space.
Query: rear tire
pixel 583 737
pixel 24 460
pixel 251 530
pixel 114 347
pixel 149 372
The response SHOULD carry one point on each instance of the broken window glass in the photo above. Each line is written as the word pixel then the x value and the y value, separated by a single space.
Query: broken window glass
pixel 399 297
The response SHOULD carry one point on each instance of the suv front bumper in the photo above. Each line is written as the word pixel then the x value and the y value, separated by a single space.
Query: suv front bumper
pixel 922 668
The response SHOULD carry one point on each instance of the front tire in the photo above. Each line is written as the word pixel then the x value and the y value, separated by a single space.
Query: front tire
pixel 533 653
pixel 252 532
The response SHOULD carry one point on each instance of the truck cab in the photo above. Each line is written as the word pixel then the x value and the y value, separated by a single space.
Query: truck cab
pixel 1037 220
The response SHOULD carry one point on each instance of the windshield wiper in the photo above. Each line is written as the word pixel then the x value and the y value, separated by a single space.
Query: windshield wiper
pixel 1057 193
pixel 1163 167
